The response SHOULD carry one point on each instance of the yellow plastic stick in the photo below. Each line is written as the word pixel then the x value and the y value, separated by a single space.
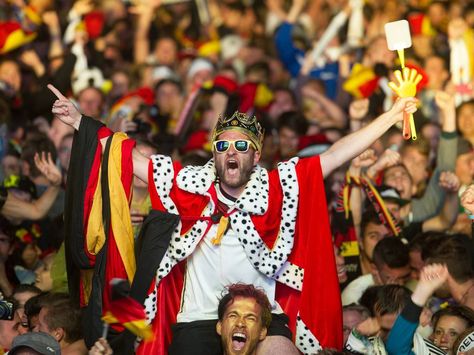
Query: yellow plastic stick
pixel 401 56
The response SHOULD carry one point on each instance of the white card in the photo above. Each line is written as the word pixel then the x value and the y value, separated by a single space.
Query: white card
pixel 398 35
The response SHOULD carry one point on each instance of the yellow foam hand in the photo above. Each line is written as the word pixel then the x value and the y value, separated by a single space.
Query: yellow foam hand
pixel 407 82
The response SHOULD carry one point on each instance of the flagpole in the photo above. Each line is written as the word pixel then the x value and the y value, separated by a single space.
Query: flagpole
pixel 105 330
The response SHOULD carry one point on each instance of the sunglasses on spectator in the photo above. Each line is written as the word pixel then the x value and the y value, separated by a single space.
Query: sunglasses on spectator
pixel 240 145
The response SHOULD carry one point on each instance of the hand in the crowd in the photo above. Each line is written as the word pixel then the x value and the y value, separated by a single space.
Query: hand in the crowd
pixel 368 327
pixel 82 7
pixel 403 105
pixel 31 59
pixel 51 19
pixel 388 158
pixel 445 101
pixel 467 199
pixel 48 168
pixel 449 181
pixel 299 3
pixel 101 347
pixel 358 109
pixel 367 158
pixel 64 109
pixel 431 278
pixel 144 7
pixel 407 80
pixel 274 5
pixel 425 317
pixel 18 3
pixel 456 28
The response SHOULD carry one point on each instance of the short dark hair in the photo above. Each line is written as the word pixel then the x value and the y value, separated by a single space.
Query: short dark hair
pixel 369 297
pixel 369 216
pixel 34 145
pixel 61 313
pixel 422 241
pixel 459 311
pixel 391 299
pixel 259 67
pixel 391 252
pixel 246 291
pixel 454 251
pixel 174 82
pixel 294 121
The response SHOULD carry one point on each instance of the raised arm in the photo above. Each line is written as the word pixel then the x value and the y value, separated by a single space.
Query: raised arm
pixel 145 12
pixel 65 110
pixel 355 143
pixel 37 209
pixel 448 214
pixel 400 338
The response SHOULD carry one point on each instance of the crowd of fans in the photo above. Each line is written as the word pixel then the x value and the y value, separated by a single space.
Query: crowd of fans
pixel 311 71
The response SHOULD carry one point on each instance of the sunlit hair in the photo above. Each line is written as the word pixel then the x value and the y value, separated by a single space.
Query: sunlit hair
pixel 391 299
pixel 246 291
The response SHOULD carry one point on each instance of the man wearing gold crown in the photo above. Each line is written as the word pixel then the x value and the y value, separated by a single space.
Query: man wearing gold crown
pixel 239 222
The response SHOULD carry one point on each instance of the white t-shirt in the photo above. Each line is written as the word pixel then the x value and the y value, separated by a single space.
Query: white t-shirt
pixel 211 268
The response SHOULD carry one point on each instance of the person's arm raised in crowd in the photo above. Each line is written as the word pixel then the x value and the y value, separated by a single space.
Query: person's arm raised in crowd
pixel 51 20
pixel 275 7
pixel 65 110
pixel 388 158
pixel 400 338
pixel 37 209
pixel 145 13
pixel 432 201
pixel 335 115
pixel 446 218
pixel 447 151
pixel 331 31
pixel 295 10
pixel 364 160
pixel 31 59
pixel 355 143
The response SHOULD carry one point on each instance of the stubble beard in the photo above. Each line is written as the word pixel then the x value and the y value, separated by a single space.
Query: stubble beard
pixel 245 171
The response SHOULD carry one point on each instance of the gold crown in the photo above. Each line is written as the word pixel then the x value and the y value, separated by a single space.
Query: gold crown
pixel 243 123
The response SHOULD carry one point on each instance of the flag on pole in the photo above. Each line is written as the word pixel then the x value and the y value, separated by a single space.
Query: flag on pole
pixel 127 311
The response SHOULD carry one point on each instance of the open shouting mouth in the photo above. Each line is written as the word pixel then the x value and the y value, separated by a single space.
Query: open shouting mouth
pixel 232 167
pixel 238 340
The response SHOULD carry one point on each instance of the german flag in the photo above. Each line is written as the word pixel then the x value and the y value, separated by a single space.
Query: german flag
pixel 127 311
